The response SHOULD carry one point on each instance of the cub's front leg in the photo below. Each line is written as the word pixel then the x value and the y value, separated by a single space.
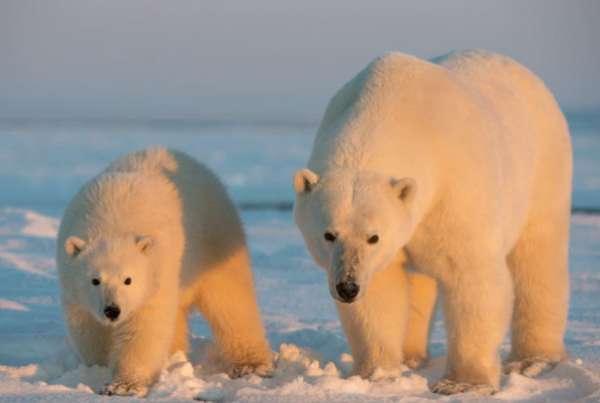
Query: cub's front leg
pixel 89 338
pixel 140 349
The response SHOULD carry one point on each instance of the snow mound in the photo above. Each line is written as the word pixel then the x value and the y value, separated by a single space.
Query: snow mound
pixel 27 241
pixel 12 305
pixel 39 225
pixel 298 377
pixel 27 223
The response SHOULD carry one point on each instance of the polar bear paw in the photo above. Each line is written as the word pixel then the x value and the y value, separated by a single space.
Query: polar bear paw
pixel 530 367
pixel 122 388
pixel 450 387
pixel 262 370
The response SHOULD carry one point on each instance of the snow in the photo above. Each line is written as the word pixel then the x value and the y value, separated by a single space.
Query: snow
pixel 43 164
pixel 12 305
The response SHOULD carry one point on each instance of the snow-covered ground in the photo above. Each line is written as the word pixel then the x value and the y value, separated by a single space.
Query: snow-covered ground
pixel 42 164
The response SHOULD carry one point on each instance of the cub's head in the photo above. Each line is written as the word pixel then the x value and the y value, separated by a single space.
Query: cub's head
pixel 353 224
pixel 111 277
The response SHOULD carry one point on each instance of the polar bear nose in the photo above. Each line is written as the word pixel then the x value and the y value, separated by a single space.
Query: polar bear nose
pixel 112 312
pixel 347 290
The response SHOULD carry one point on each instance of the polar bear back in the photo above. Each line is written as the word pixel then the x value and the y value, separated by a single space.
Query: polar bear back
pixel 402 99
pixel 166 195
pixel 469 120
pixel 123 201
pixel 533 136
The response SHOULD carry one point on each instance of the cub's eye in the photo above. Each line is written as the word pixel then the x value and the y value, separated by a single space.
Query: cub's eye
pixel 329 237
pixel 127 281
pixel 373 239
pixel 95 281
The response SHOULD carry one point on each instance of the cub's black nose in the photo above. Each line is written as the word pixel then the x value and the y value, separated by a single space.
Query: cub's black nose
pixel 112 312
pixel 347 290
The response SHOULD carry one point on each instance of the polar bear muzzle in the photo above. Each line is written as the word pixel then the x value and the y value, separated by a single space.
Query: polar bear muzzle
pixel 347 290
pixel 112 312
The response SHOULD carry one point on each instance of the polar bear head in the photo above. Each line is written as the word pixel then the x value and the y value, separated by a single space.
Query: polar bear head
pixel 353 223
pixel 110 277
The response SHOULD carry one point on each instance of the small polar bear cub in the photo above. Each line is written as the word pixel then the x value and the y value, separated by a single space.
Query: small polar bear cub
pixel 461 170
pixel 139 246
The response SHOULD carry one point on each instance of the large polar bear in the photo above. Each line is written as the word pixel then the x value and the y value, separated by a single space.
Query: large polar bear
pixel 142 243
pixel 462 167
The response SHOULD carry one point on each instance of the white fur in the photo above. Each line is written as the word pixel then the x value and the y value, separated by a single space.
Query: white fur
pixel 464 165
pixel 163 220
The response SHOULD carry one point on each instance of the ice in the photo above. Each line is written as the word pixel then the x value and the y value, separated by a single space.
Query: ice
pixel 42 166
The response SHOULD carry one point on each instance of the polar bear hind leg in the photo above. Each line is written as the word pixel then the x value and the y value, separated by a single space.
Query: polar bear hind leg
pixel 539 265
pixel 225 296
pixel 180 337
pixel 422 293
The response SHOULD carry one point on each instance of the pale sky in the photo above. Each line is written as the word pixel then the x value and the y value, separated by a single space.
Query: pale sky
pixel 266 60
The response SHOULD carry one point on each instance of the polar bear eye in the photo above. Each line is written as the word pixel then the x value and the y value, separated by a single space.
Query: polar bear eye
pixel 127 281
pixel 373 239
pixel 95 281
pixel 329 237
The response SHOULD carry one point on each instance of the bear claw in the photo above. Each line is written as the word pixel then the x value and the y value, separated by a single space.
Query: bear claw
pixel 530 367
pixel 262 370
pixel 450 387
pixel 124 389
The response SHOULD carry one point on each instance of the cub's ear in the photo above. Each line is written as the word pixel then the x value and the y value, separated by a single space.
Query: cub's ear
pixel 305 180
pixel 405 189
pixel 74 245
pixel 144 243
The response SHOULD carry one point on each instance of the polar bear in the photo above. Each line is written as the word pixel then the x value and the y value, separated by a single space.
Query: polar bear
pixel 142 243
pixel 462 168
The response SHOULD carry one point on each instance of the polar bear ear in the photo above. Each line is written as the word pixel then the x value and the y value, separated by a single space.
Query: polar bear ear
pixel 305 180
pixel 144 243
pixel 405 189
pixel 74 245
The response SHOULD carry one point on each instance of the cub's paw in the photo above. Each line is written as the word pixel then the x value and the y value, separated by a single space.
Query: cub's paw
pixel 121 388
pixel 450 387
pixel 530 367
pixel 262 370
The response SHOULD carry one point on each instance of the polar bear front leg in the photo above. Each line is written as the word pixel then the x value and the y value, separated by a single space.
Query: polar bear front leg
pixel 141 348
pixel 226 298
pixel 375 324
pixel 89 338
pixel 477 308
